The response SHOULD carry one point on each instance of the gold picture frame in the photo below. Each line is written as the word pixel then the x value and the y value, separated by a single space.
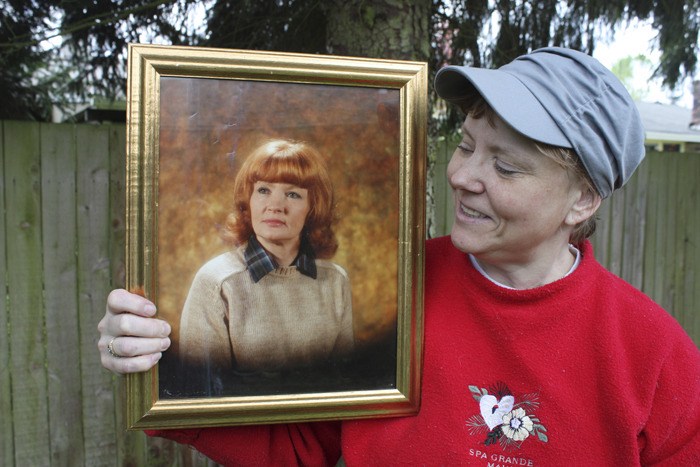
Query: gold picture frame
pixel 193 114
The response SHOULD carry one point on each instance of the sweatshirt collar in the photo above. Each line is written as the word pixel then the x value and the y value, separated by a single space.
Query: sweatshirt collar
pixel 574 251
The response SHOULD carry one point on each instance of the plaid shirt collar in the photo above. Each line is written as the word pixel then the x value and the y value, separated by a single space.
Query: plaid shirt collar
pixel 260 262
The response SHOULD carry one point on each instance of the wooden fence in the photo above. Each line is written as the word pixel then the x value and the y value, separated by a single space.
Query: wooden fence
pixel 61 252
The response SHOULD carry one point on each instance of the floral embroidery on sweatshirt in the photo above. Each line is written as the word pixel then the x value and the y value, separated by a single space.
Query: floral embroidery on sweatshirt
pixel 505 418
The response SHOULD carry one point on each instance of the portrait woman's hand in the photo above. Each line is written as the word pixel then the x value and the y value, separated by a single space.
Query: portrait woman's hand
pixel 131 339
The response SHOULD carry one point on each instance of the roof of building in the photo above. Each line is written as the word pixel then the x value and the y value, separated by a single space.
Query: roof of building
pixel 664 122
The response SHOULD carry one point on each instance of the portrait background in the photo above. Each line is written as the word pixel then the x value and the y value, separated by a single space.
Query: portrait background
pixel 209 126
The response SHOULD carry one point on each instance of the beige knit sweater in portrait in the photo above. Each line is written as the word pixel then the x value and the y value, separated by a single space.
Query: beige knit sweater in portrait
pixel 285 320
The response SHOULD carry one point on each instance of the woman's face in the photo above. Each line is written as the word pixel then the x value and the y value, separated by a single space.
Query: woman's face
pixel 511 202
pixel 278 212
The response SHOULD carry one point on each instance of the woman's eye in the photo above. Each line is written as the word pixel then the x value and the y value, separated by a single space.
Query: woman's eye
pixel 263 190
pixel 293 195
pixel 505 169
pixel 464 148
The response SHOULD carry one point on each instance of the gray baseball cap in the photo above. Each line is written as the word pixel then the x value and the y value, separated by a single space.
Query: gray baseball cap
pixel 564 98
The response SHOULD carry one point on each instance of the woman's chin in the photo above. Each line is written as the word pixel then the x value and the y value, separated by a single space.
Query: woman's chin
pixel 463 241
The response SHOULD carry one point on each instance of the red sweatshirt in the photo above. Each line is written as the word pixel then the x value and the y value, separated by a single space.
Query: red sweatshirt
pixel 583 371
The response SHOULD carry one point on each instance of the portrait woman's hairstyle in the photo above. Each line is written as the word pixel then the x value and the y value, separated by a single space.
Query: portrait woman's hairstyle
pixel 296 163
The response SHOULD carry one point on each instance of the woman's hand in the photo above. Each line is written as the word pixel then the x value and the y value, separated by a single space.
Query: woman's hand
pixel 131 340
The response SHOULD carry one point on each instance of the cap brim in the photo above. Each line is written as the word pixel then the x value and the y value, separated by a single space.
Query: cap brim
pixel 508 97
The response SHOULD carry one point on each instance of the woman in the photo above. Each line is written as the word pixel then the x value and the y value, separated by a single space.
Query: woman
pixel 534 354
pixel 270 304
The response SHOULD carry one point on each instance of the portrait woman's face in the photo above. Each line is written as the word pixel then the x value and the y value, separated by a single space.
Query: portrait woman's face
pixel 278 212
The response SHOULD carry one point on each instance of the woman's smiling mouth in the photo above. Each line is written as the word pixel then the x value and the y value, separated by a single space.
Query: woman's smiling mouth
pixel 471 213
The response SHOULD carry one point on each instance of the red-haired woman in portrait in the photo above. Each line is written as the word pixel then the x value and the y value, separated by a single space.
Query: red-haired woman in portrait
pixel 273 303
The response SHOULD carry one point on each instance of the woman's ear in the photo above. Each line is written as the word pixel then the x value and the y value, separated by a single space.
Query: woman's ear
pixel 584 207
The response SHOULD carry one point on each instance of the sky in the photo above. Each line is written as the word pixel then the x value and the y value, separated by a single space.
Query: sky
pixel 637 39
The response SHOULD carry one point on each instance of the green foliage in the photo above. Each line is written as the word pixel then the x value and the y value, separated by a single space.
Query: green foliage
pixel 625 70
pixel 463 28
pixel 57 52
pixel 280 25
pixel 22 96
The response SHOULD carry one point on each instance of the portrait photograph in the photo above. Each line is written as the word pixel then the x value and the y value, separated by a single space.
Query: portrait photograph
pixel 277 218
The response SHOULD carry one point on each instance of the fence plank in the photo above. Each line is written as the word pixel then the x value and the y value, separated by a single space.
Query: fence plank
pixel 7 452
pixel 668 250
pixel 686 238
pixel 26 320
pixel 617 233
pixel 653 256
pixel 694 228
pixel 60 292
pixel 679 259
pixel 634 228
pixel 93 224
pixel 602 233
pixel 117 180
pixel 442 193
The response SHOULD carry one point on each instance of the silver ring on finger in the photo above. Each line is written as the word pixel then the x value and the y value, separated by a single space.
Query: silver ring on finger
pixel 110 349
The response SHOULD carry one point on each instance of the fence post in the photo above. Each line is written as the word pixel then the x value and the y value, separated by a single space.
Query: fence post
pixel 60 273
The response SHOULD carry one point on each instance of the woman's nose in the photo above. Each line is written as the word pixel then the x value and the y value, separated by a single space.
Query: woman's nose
pixel 276 202
pixel 465 173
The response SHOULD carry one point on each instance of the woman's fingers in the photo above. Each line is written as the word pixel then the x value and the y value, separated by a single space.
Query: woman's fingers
pixel 131 340
pixel 131 354
pixel 121 301
pixel 126 347
pixel 131 315
pixel 127 324
pixel 129 364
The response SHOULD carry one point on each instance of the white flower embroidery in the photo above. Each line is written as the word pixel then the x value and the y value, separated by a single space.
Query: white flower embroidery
pixel 504 421
pixel 517 425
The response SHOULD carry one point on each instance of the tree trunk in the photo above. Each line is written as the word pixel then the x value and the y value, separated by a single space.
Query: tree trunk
pixel 393 29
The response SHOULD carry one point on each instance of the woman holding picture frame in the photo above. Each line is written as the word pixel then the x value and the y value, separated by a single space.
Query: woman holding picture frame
pixel 534 354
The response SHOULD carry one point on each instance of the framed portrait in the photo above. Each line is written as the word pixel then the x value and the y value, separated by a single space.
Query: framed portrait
pixel 275 215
